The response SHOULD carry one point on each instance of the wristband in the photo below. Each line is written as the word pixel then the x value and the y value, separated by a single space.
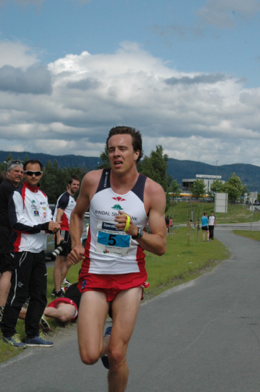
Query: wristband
pixel 127 224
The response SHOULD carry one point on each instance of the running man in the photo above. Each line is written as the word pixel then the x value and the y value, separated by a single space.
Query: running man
pixel 113 271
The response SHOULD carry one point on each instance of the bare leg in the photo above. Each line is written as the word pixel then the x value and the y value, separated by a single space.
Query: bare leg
pixel 92 316
pixel 125 309
pixel 57 272
pixel 64 269
pixel 5 284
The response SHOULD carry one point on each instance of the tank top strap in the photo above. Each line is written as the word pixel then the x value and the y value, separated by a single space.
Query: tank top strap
pixel 138 188
pixel 104 182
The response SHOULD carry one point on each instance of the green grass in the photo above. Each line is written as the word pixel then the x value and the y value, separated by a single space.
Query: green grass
pixel 253 235
pixel 183 211
pixel 180 263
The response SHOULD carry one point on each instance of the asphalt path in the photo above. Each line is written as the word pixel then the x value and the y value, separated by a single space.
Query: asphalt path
pixel 203 336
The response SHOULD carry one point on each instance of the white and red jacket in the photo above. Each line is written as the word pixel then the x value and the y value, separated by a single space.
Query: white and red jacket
pixel 65 202
pixel 29 215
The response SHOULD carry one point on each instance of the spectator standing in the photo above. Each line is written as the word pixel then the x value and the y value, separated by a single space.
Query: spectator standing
pixel 15 174
pixel 204 226
pixel 64 206
pixel 31 219
pixel 212 223
pixel 113 271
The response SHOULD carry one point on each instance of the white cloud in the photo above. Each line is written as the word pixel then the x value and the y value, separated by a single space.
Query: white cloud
pixel 223 13
pixel 204 117
pixel 16 54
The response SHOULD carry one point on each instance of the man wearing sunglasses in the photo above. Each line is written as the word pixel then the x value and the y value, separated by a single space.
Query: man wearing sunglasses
pixel 15 174
pixel 31 220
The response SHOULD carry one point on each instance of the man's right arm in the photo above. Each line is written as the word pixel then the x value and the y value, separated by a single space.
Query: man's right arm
pixel 59 214
pixel 20 221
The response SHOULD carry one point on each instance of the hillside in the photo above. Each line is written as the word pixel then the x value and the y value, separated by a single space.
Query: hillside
pixel 249 174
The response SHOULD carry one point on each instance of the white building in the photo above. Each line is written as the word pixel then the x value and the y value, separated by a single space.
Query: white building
pixel 208 180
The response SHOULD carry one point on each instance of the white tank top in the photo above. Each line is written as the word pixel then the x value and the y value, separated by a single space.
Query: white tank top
pixel 108 250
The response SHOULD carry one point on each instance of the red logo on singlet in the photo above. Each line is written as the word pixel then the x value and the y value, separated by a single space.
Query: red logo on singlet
pixel 118 198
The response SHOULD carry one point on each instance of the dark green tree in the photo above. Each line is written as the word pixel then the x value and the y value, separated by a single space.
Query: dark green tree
pixel 104 158
pixel 175 189
pixel 234 188
pixel 155 167
pixel 198 188
pixel 216 186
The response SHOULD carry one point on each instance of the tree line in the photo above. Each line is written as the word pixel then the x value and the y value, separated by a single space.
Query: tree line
pixel 55 179
pixel 233 187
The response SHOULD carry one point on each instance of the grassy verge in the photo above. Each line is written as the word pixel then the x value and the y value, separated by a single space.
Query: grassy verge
pixel 180 263
pixel 253 235
pixel 237 213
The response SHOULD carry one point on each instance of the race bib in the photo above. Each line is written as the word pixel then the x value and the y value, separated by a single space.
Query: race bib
pixel 111 240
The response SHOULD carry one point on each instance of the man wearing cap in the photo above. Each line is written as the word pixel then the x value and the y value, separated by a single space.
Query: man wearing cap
pixel 15 174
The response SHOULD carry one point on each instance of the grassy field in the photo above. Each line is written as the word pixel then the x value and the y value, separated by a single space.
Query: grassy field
pixel 186 258
pixel 183 211
pixel 253 235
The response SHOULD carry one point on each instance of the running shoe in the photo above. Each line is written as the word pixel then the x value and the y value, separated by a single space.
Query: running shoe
pixel 57 294
pixel 104 359
pixel 38 341
pixel 66 283
pixel 44 324
pixel 14 341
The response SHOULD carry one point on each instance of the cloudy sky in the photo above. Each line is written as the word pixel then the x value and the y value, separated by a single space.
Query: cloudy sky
pixel 185 73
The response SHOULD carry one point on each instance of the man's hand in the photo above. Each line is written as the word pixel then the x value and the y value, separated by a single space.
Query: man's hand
pixel 54 226
pixel 121 222
pixel 76 255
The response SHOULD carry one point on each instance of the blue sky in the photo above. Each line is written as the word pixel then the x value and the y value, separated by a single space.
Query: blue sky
pixel 186 74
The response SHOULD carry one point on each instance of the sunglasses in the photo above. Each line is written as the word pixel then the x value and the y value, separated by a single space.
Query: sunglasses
pixel 31 173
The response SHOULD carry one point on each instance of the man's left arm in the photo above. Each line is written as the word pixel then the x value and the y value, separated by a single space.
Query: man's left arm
pixel 155 241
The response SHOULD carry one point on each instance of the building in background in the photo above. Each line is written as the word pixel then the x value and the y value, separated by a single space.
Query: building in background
pixel 208 180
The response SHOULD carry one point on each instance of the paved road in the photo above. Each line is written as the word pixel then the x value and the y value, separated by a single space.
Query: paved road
pixel 203 336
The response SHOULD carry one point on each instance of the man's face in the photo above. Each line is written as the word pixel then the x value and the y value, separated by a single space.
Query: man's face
pixel 122 156
pixel 73 187
pixel 15 175
pixel 33 174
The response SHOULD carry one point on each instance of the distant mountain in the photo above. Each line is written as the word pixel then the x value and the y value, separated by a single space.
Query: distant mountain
pixel 63 160
pixel 249 174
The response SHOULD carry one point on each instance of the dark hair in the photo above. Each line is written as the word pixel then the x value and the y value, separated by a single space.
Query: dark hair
pixel 136 138
pixel 75 177
pixel 32 161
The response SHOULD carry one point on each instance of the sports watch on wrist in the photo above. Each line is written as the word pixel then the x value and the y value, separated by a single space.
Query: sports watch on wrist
pixel 139 235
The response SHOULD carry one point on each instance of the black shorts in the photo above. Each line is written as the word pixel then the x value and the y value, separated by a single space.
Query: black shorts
pixel 6 262
pixel 66 236
pixel 206 228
